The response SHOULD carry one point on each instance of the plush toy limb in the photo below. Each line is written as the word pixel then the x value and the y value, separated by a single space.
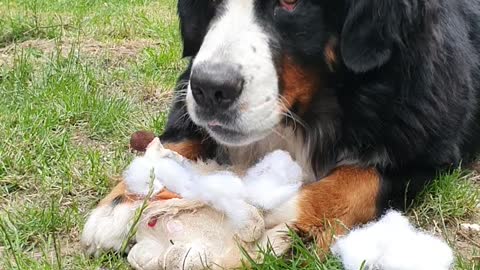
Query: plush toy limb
pixel 156 169
pixel 276 239
pixel 254 228
pixel 190 149
pixel 150 255
pixel 147 255
pixel 107 227
pixel 156 150
pixel 109 223
pixel 190 257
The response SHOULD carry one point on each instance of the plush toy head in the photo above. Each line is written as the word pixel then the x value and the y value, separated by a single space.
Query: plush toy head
pixel 217 213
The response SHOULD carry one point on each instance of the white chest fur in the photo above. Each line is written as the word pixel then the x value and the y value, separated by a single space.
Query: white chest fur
pixel 281 138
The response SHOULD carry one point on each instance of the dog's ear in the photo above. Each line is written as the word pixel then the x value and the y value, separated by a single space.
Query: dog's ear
pixel 195 16
pixel 373 28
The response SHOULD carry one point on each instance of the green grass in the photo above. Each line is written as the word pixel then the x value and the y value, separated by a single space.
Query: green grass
pixel 453 198
pixel 76 79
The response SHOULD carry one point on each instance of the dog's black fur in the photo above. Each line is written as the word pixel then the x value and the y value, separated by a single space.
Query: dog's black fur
pixel 403 95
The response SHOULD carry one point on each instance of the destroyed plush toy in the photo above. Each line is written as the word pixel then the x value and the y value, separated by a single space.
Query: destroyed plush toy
pixel 201 215
pixel 217 213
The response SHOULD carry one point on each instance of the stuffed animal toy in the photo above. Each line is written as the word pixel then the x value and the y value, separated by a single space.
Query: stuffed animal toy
pixel 216 217
pixel 202 215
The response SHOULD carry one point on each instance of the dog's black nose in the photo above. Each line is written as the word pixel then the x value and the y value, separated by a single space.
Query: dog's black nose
pixel 216 86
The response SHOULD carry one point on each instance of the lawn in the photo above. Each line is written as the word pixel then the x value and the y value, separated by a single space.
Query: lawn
pixel 76 79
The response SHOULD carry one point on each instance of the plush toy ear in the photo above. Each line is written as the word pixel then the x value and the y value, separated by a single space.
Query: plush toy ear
pixel 371 30
pixel 195 16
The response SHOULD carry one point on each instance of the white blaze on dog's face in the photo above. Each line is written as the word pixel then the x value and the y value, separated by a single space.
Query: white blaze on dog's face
pixel 234 87
pixel 254 64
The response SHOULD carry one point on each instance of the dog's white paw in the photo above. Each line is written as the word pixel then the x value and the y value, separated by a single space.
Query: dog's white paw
pixel 107 227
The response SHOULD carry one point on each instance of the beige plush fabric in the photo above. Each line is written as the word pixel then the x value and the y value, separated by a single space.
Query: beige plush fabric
pixel 190 235
pixel 186 234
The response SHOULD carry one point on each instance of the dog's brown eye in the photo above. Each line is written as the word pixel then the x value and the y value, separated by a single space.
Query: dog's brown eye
pixel 288 4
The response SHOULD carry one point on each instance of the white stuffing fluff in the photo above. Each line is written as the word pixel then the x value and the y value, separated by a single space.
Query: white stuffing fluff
pixel 167 169
pixel 224 191
pixel 273 180
pixel 392 243
pixel 174 176
pixel 268 184
pixel 138 176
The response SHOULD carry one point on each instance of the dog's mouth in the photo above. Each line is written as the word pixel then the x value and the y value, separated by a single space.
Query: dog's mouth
pixel 224 131
pixel 244 123
pixel 233 136
pixel 232 131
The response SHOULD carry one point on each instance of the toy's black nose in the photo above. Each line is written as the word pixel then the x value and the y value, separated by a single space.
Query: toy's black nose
pixel 216 86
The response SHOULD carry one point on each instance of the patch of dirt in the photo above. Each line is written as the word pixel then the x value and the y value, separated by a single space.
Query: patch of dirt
pixel 464 242
pixel 476 167
pixel 157 99
pixel 116 52
pixel 67 248
pixel 467 242
pixel 81 138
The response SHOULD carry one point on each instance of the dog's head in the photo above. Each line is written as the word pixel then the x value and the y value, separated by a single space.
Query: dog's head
pixel 255 61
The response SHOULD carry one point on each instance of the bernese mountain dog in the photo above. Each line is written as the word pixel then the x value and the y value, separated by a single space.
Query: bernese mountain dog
pixel 372 97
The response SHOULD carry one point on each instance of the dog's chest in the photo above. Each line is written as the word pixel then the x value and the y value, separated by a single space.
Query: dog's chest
pixel 280 139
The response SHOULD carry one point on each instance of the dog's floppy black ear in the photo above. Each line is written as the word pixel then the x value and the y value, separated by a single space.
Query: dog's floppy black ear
pixel 195 16
pixel 372 29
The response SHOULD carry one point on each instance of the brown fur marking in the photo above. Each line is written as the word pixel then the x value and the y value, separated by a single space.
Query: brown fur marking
pixel 188 149
pixel 163 195
pixel 299 84
pixel 330 54
pixel 346 198
pixel 120 190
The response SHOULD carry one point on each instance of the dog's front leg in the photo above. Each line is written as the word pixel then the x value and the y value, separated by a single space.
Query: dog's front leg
pixel 346 198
